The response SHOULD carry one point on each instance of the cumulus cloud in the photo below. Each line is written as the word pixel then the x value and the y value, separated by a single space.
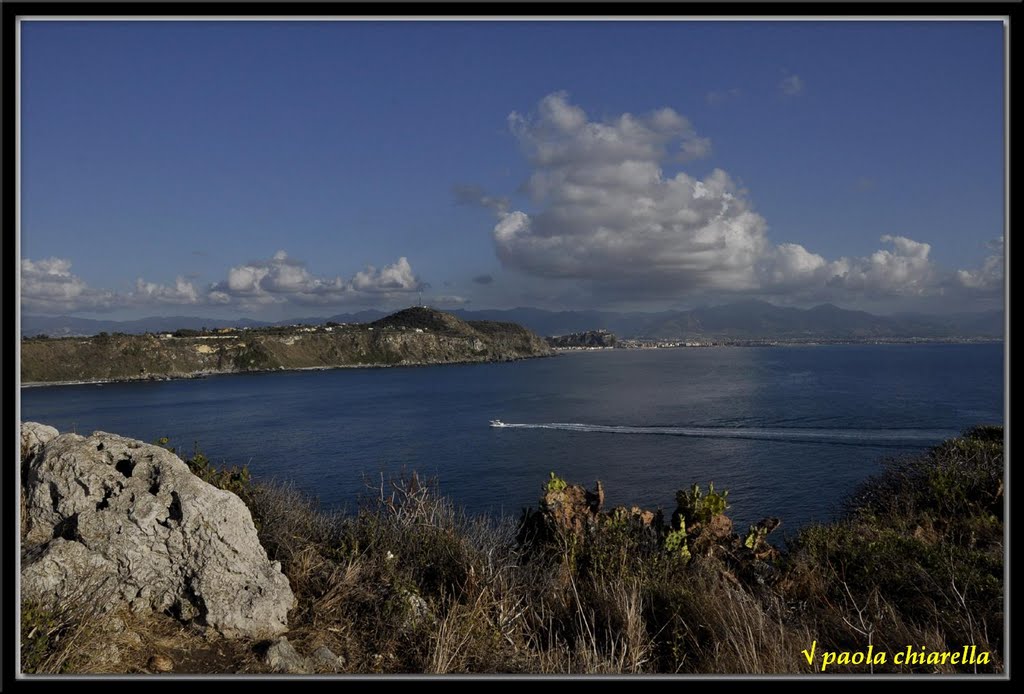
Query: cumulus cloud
pixel 989 277
pixel 48 285
pixel 607 214
pixel 791 85
pixel 397 277
pixel 905 270
pixel 183 292
pixel 483 279
pixel 276 280
pixel 283 279
pixel 790 266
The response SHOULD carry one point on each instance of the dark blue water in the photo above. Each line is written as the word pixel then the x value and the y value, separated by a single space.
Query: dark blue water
pixel 789 431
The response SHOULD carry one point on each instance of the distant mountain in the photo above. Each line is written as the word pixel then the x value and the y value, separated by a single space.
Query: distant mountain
pixel 566 322
pixel 761 320
pixel 738 320
pixel 985 323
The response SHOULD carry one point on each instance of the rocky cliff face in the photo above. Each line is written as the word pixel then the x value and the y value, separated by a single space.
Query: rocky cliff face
pixel 409 337
pixel 119 522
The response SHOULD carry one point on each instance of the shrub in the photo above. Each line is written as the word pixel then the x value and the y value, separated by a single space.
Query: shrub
pixel 555 484
pixel 696 507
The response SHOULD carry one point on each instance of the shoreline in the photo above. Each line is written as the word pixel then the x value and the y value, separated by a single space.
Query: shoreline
pixel 207 374
pixel 555 352
pixel 782 343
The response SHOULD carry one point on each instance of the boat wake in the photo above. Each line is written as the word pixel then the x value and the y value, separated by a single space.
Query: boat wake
pixel 863 437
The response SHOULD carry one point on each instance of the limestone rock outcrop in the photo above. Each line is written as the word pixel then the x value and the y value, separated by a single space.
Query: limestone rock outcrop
pixel 130 521
pixel 33 437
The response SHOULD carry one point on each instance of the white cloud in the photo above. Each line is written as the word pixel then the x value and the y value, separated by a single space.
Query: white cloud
pixel 183 292
pixel 608 215
pixel 397 277
pixel 48 286
pixel 988 277
pixel 556 110
pixel 609 212
pixel 246 279
pixel 791 266
pixel 906 270
pixel 283 279
pixel 279 275
pixel 791 85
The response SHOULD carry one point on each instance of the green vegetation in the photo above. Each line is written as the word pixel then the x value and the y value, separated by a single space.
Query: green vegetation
pixel 555 484
pixel 409 583
pixel 696 507
pixel 39 635
pixel 254 356
pixel 675 541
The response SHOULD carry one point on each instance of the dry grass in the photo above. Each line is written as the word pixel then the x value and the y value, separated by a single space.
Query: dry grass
pixel 70 633
pixel 409 583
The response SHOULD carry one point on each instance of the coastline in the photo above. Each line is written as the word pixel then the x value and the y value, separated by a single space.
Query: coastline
pixel 555 352
pixel 784 343
pixel 208 374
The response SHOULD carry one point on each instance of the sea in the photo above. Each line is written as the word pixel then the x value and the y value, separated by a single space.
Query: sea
pixel 789 431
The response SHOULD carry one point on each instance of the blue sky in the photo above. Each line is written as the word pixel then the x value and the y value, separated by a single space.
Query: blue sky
pixel 278 169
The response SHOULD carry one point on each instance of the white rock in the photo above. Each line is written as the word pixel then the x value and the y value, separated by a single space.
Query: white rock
pixel 33 437
pixel 172 541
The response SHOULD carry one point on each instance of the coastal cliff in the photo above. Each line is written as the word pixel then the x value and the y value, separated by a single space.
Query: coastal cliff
pixel 413 336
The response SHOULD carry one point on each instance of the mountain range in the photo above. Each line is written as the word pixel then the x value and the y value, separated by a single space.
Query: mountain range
pixel 744 320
